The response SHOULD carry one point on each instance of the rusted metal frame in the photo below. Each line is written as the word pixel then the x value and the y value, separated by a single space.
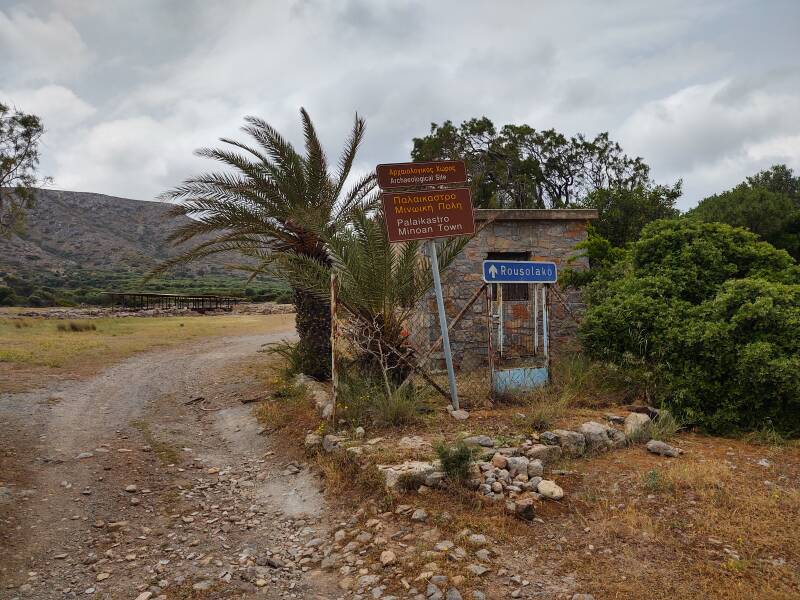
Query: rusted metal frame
pixel 563 302
pixel 454 322
pixel 401 356
pixel 424 356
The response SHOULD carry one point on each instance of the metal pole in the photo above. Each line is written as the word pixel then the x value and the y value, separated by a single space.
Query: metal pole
pixel 500 331
pixel 535 320
pixel 489 347
pixel 545 327
pixel 448 356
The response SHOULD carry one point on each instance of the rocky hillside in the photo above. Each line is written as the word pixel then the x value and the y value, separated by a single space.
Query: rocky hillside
pixel 79 230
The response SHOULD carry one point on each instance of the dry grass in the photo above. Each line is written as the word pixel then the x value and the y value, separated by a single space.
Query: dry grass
pixel 713 523
pixel 76 326
pixel 34 350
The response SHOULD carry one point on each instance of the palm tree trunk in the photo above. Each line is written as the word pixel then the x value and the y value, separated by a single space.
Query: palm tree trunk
pixel 313 323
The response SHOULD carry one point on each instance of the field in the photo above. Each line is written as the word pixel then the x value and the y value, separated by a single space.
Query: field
pixel 720 521
pixel 34 351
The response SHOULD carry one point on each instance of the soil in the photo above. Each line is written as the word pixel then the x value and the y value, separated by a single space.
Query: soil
pixel 215 512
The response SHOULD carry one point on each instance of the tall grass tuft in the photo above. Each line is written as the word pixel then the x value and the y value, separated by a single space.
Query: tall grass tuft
pixel 363 400
pixel 77 326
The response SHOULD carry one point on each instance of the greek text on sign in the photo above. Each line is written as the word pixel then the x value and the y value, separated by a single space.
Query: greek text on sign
pixel 404 175
pixel 514 271
pixel 428 215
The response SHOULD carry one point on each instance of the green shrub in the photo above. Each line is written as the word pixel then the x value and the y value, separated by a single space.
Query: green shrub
pixel 294 360
pixel 7 296
pixel 654 481
pixel 712 315
pixel 456 460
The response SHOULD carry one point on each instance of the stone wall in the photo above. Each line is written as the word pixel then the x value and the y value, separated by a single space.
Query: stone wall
pixel 548 235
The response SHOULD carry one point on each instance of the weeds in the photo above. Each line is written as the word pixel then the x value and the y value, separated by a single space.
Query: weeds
pixel 167 453
pixel 543 414
pixel 77 326
pixel 654 481
pixel 284 408
pixel 363 400
pixel 342 473
pixel 766 436
pixel 456 460
pixel 664 426
pixel 293 360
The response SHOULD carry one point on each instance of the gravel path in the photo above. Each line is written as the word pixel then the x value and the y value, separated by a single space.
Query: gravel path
pixel 114 487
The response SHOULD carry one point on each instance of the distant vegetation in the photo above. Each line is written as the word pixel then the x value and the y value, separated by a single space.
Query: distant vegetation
pixel 90 287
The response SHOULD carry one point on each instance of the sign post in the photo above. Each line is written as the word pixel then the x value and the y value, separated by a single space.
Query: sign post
pixel 427 215
pixel 448 355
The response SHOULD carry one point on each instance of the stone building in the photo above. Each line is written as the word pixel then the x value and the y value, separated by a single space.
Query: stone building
pixel 517 234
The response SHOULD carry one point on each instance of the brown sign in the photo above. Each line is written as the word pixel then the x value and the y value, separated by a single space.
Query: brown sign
pixel 427 215
pixel 408 175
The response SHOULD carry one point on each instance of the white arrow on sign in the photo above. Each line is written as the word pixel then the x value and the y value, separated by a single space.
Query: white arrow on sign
pixel 493 271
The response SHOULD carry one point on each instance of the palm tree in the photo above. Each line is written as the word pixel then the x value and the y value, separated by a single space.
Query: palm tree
pixel 380 284
pixel 273 202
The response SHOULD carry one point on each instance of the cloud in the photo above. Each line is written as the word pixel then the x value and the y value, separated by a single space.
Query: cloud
pixel 40 48
pixel 59 107
pixel 703 91
pixel 714 134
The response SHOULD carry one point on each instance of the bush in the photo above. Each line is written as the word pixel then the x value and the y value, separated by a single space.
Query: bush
pixel 712 314
pixel 7 296
pixel 456 460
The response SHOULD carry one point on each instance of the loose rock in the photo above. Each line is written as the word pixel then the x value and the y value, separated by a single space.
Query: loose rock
pixel 662 448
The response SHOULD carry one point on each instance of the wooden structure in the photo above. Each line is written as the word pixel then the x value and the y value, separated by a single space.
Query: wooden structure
pixel 146 300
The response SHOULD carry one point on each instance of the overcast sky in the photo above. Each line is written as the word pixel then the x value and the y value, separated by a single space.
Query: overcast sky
pixel 706 91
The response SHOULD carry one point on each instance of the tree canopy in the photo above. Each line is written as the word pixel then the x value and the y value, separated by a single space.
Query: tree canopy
pixel 623 212
pixel 521 167
pixel 20 134
pixel 767 203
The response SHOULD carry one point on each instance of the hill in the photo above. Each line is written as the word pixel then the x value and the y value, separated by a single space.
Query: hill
pixel 77 244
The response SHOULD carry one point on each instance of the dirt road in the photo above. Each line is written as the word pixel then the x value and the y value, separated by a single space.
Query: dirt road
pixel 114 487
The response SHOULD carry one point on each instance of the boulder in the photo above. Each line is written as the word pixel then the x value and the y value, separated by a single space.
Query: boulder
pixel 331 442
pixel 663 449
pixel 635 423
pixel 408 475
pixel 535 468
pixel 413 442
pixel 313 443
pixel 517 465
pixel 618 439
pixel 572 443
pixel 547 454
pixel 499 461
pixel 479 440
pixel 549 437
pixel 596 436
pixel 524 509
pixel 458 415
pixel 549 489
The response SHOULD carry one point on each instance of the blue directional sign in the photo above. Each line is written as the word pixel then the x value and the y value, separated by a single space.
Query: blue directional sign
pixel 515 271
